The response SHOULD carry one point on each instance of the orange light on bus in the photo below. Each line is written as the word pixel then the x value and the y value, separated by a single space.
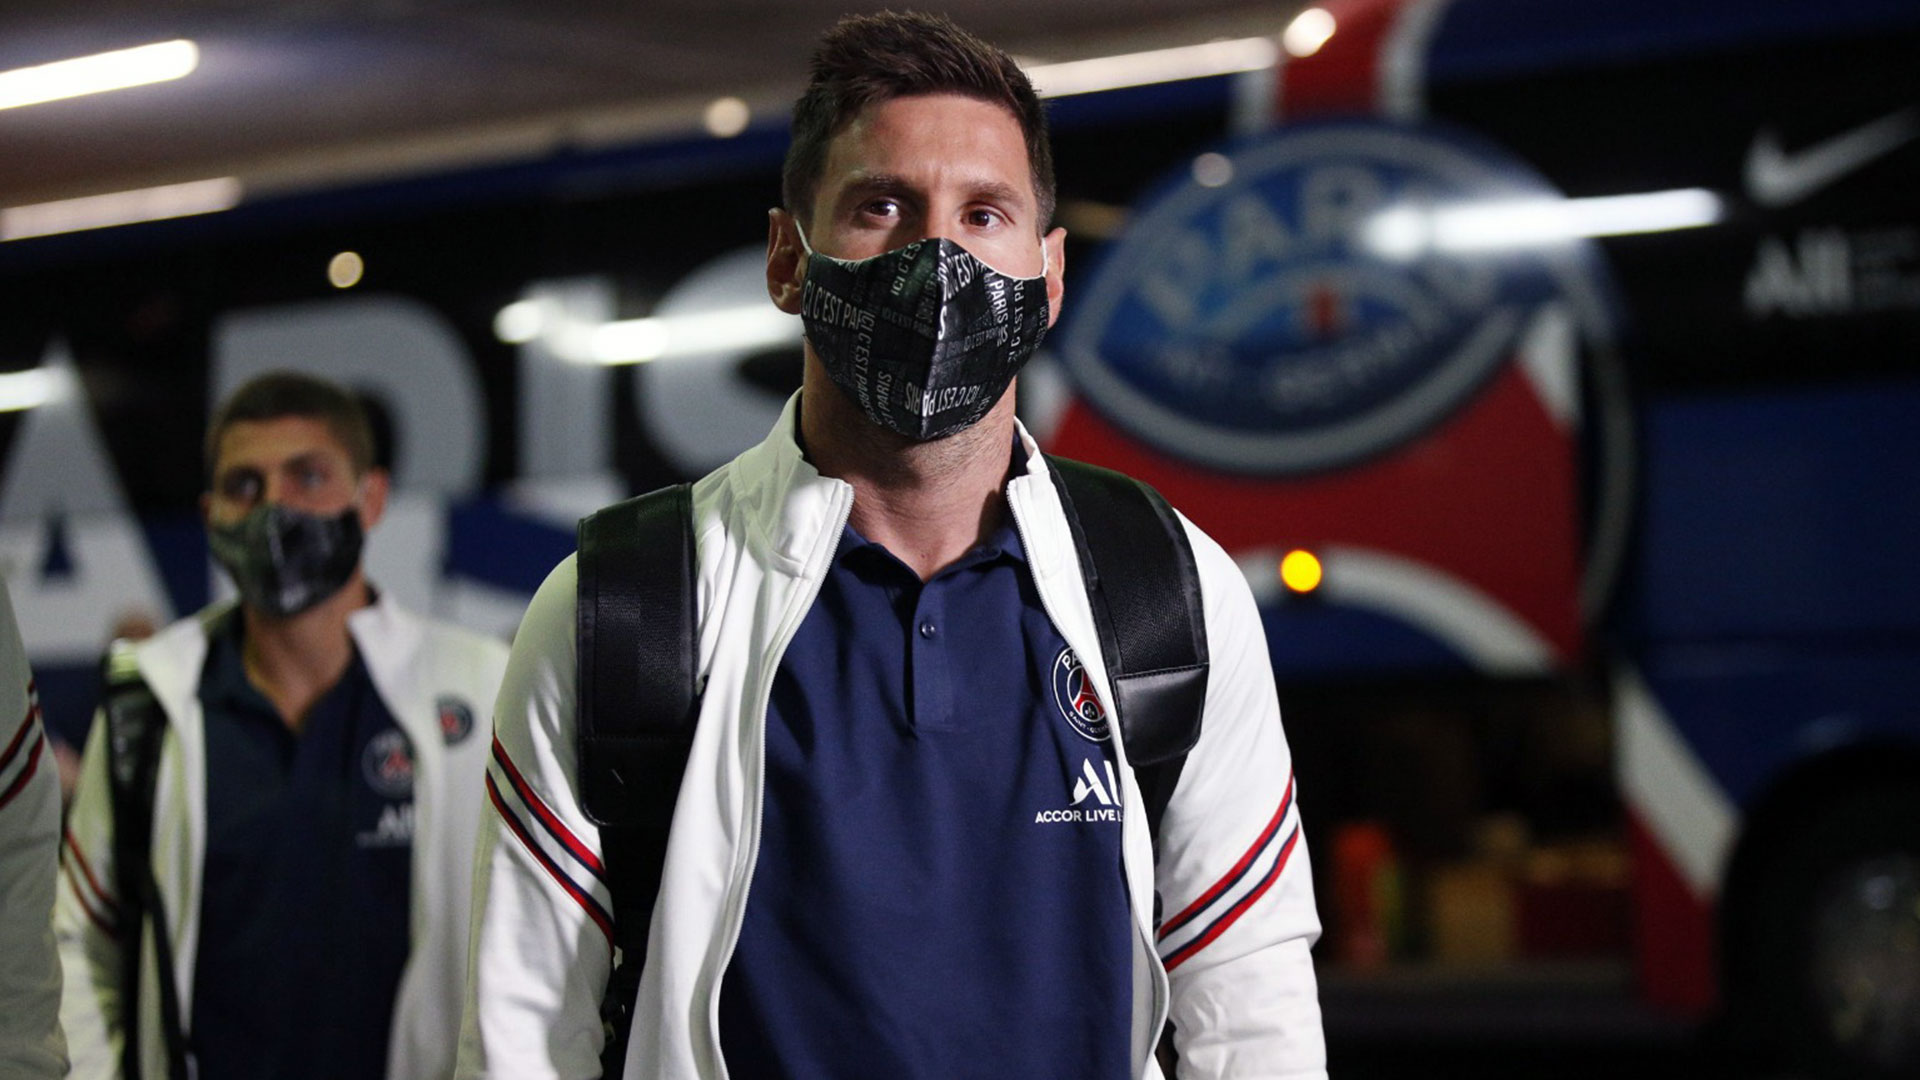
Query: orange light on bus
pixel 1300 571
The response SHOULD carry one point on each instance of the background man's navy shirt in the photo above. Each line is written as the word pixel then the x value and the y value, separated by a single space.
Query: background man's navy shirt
pixel 304 906
pixel 939 891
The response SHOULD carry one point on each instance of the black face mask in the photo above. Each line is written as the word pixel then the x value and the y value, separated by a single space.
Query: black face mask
pixel 285 561
pixel 925 338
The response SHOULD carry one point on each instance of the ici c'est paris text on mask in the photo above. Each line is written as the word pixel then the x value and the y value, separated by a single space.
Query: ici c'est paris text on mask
pixel 924 338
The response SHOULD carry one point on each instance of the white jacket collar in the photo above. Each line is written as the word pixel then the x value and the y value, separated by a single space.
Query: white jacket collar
pixel 1033 492
pixel 793 509
pixel 170 660
pixel 387 636
pixel 389 639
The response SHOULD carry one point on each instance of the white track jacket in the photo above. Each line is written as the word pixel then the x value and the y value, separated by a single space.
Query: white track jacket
pixel 413 662
pixel 30 1044
pixel 1230 962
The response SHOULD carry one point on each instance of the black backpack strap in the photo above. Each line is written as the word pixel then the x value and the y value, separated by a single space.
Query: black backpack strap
pixel 1145 591
pixel 636 705
pixel 135 725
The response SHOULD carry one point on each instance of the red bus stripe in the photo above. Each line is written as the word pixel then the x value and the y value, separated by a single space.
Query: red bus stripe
pixel 1188 913
pixel 1220 925
pixel 1343 77
pixel 546 817
pixel 592 907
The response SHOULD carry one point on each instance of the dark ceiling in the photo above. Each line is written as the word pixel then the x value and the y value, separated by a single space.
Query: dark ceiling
pixel 300 93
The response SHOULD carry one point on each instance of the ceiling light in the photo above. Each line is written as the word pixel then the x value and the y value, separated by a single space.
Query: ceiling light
pixel 1212 169
pixel 520 322
pixel 727 117
pixel 346 269
pixel 95 74
pixel 732 329
pixel 28 389
pixel 1406 232
pixel 1156 66
pixel 120 208
pixel 629 341
pixel 1308 31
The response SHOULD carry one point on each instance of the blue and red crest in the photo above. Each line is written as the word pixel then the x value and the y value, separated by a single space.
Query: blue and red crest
pixel 387 764
pixel 1073 693
pixel 1296 352
pixel 456 719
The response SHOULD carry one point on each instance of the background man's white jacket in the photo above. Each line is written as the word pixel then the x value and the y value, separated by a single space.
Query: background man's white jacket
pixel 412 662
pixel 766 527
pixel 30 1043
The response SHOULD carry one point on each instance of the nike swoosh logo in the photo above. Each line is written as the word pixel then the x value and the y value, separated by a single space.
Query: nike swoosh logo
pixel 1777 178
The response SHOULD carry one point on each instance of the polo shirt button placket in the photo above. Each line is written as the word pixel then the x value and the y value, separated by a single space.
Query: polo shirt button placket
pixel 931 695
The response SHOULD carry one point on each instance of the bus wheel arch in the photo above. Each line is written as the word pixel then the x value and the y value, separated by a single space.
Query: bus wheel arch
pixel 1804 957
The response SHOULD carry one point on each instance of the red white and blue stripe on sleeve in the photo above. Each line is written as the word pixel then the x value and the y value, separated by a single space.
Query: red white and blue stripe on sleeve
pixel 571 864
pixel 21 758
pixel 1198 925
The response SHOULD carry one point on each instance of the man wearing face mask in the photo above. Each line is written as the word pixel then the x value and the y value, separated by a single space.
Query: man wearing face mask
pixel 304 764
pixel 904 843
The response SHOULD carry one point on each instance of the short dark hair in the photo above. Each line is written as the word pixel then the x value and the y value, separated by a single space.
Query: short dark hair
pixel 869 59
pixel 280 394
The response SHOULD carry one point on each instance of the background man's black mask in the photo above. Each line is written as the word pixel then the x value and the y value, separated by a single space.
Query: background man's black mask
pixel 285 561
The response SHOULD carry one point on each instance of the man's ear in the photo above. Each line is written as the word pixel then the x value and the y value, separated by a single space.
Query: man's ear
pixel 206 509
pixel 1056 242
pixel 786 261
pixel 374 486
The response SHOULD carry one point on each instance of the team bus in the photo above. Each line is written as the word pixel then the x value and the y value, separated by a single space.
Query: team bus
pixel 1549 368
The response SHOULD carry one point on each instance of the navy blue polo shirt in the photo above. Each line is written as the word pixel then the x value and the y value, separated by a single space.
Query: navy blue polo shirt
pixel 939 891
pixel 304 908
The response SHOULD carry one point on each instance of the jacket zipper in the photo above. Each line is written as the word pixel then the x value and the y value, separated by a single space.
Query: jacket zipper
pixel 757 792
pixel 1141 936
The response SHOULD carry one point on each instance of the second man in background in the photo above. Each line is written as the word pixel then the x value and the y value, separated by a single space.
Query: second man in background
pixel 270 848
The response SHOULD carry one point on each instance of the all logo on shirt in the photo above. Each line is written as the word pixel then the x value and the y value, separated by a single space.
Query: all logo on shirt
pixel 388 764
pixel 1096 798
pixel 394 830
pixel 1073 692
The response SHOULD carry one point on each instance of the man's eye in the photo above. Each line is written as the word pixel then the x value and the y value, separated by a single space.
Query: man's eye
pixel 981 218
pixel 882 208
pixel 240 486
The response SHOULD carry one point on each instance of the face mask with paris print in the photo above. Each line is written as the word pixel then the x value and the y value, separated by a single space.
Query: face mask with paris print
pixel 924 338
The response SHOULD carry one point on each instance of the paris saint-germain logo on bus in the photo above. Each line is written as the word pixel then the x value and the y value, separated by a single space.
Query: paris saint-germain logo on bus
pixel 1306 302
pixel 1073 693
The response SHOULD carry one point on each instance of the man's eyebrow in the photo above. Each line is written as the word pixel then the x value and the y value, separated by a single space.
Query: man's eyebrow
pixel 306 459
pixel 995 191
pixel 874 184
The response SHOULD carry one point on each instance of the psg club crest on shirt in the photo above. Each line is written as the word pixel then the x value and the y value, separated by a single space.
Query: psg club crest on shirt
pixel 456 719
pixel 388 764
pixel 1073 692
